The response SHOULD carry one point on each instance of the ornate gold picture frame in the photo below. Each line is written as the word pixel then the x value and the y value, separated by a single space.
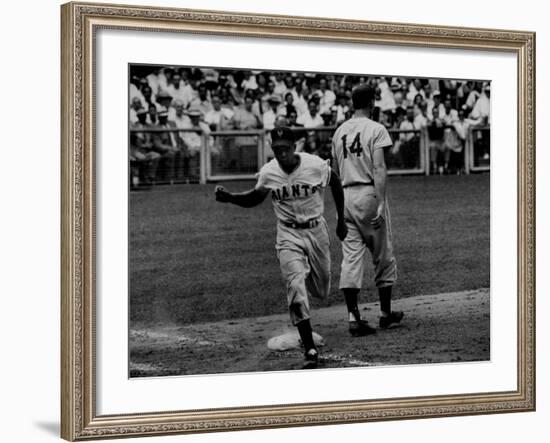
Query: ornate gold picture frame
pixel 79 417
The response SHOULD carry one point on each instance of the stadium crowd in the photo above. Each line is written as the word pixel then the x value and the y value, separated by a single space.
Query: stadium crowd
pixel 202 101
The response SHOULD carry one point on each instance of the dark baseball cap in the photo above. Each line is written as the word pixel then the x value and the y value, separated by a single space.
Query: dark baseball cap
pixel 282 135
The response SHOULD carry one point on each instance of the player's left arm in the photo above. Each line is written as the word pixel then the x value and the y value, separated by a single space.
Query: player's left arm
pixel 380 175
pixel 246 199
pixel 338 195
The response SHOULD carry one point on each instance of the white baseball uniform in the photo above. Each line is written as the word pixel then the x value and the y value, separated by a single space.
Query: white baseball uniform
pixel 302 232
pixel 353 145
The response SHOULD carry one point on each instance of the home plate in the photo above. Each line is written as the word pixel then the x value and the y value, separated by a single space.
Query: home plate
pixel 291 340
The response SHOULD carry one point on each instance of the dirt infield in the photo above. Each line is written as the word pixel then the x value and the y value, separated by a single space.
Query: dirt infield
pixel 450 327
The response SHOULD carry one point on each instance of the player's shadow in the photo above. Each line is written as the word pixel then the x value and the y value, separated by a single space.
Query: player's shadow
pixel 49 427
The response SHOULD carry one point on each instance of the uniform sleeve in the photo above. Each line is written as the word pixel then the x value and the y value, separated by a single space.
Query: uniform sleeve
pixel 325 173
pixel 382 138
pixel 263 179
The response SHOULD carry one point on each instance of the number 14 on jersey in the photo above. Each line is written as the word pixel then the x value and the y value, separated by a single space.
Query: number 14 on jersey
pixel 355 147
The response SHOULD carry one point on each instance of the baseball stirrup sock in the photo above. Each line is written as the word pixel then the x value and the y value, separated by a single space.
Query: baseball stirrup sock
pixel 306 334
pixel 385 299
pixel 350 294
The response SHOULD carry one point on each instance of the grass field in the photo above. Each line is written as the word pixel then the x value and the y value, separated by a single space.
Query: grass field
pixel 193 259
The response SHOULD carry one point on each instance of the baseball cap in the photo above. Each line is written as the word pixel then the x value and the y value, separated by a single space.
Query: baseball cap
pixel 274 99
pixel 194 112
pixel 282 135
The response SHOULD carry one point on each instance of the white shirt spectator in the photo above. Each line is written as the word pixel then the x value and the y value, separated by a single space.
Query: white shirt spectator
pixel 449 118
pixel 420 122
pixel 300 103
pixel 214 117
pixel 280 88
pixel 183 92
pixel 308 121
pixel 135 92
pixel 154 83
pixel 249 83
pixel 193 140
pixel 407 125
pixel 328 98
pixel 441 108
pixel 472 98
pixel 482 109
pixel 269 117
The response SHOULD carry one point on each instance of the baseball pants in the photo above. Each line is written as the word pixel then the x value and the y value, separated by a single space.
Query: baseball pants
pixel 304 258
pixel 360 209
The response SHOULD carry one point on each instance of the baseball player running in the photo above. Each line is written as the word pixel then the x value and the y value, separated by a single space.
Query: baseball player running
pixel 358 157
pixel 296 182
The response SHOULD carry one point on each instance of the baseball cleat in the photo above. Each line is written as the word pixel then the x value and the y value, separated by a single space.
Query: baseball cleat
pixel 311 359
pixel 394 318
pixel 360 328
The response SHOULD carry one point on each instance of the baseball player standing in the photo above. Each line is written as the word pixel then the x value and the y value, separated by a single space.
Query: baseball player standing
pixel 358 157
pixel 296 182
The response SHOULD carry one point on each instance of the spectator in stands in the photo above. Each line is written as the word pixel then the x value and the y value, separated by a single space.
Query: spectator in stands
pixel 165 144
pixel 193 141
pixel 342 107
pixel 428 98
pixel 421 119
pixel 275 110
pixel 264 98
pixel 449 114
pixel 324 137
pixel 280 86
pixel 292 120
pixel 244 118
pixel 472 94
pixel 135 89
pixel 144 138
pixel 249 81
pixel 290 85
pixel 482 109
pixel 148 96
pixel 164 100
pixel 400 104
pixel 436 129
pixel 300 98
pixel 406 150
pixel 180 121
pixel 142 156
pixel 153 79
pixel 312 118
pixel 326 96
pixel 218 118
pixel 461 127
pixel 202 102
pixel 135 107
pixel 177 90
pixel 152 115
pixel 450 138
pixel 289 103
pixel 437 104
pixel 418 99
pixel 414 89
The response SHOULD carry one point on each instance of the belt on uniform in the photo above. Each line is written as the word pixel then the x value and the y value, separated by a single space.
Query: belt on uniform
pixel 358 184
pixel 305 225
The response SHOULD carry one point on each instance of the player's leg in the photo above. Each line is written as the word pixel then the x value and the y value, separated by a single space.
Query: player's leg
pixel 317 244
pixel 385 268
pixel 351 279
pixel 295 269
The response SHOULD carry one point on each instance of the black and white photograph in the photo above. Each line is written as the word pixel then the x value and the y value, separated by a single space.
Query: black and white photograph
pixel 288 220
